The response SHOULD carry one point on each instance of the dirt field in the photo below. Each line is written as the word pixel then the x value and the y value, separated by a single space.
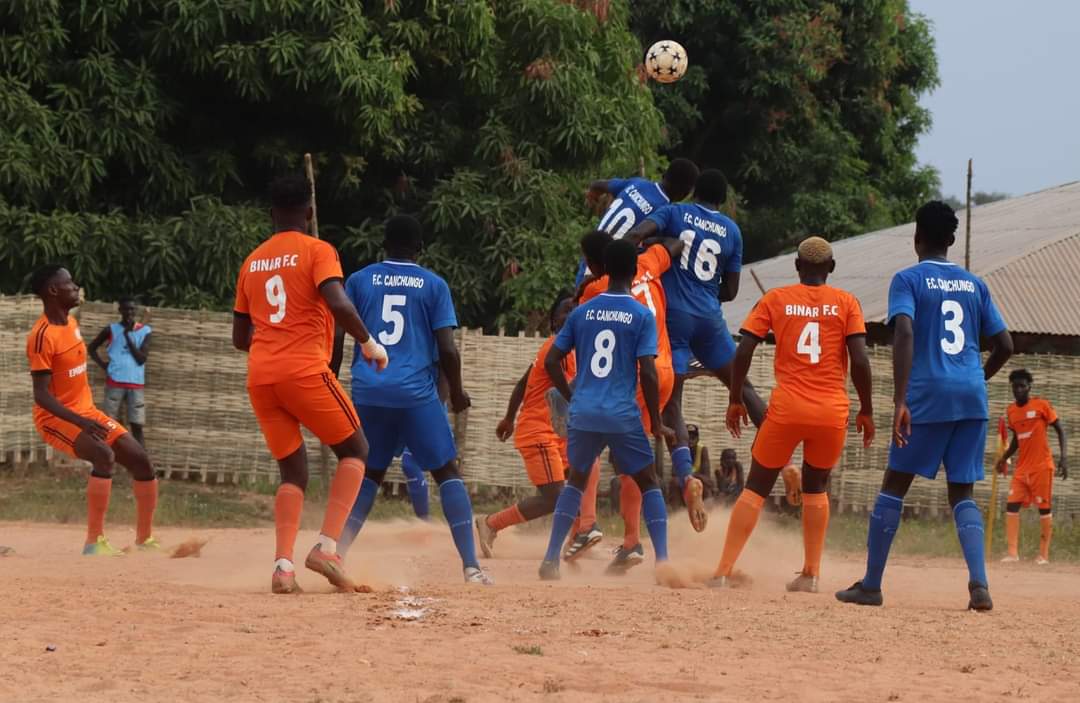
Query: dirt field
pixel 147 628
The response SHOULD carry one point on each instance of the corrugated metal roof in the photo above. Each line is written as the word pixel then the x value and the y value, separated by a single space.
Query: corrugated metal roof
pixel 1018 245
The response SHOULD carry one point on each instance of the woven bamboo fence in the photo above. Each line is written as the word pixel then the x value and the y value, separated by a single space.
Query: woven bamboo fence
pixel 200 426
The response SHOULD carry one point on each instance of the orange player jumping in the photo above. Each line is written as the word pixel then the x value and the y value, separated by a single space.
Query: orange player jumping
pixel 288 296
pixel 816 328
pixel 1033 480
pixel 65 416
pixel 652 263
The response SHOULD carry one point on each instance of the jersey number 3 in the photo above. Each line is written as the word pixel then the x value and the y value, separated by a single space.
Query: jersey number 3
pixel 954 318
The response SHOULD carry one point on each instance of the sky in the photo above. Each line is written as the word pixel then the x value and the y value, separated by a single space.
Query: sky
pixel 1009 96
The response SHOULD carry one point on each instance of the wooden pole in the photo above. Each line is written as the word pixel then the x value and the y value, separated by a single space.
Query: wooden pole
pixel 324 451
pixel 641 166
pixel 757 281
pixel 967 232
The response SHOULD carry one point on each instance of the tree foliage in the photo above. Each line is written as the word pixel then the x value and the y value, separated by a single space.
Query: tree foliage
pixel 137 136
pixel 809 107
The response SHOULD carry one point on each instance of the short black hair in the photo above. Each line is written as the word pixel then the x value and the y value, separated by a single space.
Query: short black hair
pixel 711 187
pixel 1021 375
pixel 620 259
pixel 290 193
pixel 127 299
pixel 682 175
pixel 403 233
pixel 39 280
pixel 936 224
pixel 593 245
pixel 561 298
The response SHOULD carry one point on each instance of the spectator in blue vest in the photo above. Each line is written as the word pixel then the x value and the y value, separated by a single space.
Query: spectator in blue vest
pixel 128 346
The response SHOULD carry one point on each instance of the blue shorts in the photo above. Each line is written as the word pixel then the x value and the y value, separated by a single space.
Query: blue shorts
pixel 630 451
pixel 705 338
pixel 960 445
pixel 424 429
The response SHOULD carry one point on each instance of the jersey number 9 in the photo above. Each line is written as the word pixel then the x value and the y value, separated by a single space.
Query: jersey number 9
pixel 275 296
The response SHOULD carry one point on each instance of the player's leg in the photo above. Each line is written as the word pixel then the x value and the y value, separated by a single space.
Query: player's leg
pixel 582 450
pixel 544 465
pixel 633 456
pixel 630 553
pixel 417 485
pixel 132 455
pixel 585 530
pixel 82 445
pixel 136 411
pixel 382 427
pixel 681 329
pixel 1016 500
pixel 714 347
pixel 822 448
pixel 1043 489
pixel 963 467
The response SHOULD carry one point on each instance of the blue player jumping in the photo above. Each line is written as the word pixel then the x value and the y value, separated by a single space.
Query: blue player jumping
pixel 611 336
pixel 938 312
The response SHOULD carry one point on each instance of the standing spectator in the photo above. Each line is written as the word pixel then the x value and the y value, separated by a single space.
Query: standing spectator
pixel 729 477
pixel 702 465
pixel 128 346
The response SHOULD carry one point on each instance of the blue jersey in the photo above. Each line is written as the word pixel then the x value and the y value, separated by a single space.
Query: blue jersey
pixel 609 334
pixel 635 199
pixel 122 365
pixel 950 310
pixel 713 248
pixel 402 304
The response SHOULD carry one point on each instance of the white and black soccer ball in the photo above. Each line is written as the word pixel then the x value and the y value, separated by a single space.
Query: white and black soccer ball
pixel 665 61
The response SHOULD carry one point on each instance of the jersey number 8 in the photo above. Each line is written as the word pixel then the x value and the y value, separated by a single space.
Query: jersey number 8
pixel 603 354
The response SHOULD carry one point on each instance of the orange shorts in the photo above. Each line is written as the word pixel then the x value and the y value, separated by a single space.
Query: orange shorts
pixel 318 402
pixel 775 443
pixel 545 462
pixel 665 377
pixel 61 434
pixel 1033 488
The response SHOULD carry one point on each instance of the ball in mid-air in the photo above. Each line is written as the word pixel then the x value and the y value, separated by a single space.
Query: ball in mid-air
pixel 665 61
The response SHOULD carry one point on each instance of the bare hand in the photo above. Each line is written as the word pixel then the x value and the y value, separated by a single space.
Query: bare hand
pixel 1063 468
pixel 375 353
pixel 459 402
pixel 901 424
pixel 864 425
pixel 662 431
pixel 94 428
pixel 505 429
pixel 1002 466
pixel 737 418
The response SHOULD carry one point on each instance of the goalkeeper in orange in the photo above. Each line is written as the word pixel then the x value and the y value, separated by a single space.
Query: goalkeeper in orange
pixel 817 327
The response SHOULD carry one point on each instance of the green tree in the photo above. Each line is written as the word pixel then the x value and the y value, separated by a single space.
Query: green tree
pixel 810 108
pixel 137 136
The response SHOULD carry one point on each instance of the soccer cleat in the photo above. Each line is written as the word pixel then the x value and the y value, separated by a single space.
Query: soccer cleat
pixel 1010 559
pixel 150 545
pixel 626 559
pixel 980 597
pixel 549 571
pixel 803 583
pixel 284 582
pixel 859 595
pixel 101 548
pixel 486 536
pixel 693 495
pixel 1042 561
pixel 583 542
pixel 330 566
pixel 474 574
pixel 719 582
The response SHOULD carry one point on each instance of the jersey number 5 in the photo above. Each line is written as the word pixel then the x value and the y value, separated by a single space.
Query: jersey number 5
pixel 394 317
pixel 275 296
pixel 603 354
pixel 810 342
pixel 953 321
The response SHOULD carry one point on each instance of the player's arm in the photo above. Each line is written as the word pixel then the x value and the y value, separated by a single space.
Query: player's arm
pixel 142 352
pixel 1063 462
pixel 450 364
pixel 673 246
pixel 729 285
pixel 505 428
pixel 346 317
pixel 337 353
pixel 706 465
pixel 241 331
pixel 650 388
pixel 1001 348
pixel 643 230
pixel 94 346
pixel 737 417
pixel 903 352
pixel 862 377
pixel 1014 445
pixel 553 365
pixel 48 402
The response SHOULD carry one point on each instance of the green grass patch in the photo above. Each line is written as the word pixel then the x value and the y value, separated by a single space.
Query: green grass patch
pixel 531 650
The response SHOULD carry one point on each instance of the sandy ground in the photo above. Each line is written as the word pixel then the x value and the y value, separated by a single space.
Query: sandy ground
pixel 148 628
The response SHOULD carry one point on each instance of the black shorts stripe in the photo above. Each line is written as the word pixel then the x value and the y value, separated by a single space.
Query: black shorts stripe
pixel 547 461
pixel 39 339
pixel 59 435
pixel 345 404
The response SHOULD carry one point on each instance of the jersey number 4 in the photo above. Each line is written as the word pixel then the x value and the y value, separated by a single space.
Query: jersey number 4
pixel 809 343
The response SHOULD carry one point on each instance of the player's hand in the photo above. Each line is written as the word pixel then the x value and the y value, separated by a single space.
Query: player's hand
pixel 737 418
pixel 901 424
pixel 505 429
pixel 459 402
pixel 1063 468
pixel 375 353
pixel 1002 466
pixel 94 428
pixel 662 431
pixel 864 425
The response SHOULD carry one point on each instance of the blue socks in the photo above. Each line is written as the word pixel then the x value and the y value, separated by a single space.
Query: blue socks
pixel 652 502
pixel 682 463
pixel 969 528
pixel 884 521
pixel 566 510
pixel 358 515
pixel 458 511
pixel 417 484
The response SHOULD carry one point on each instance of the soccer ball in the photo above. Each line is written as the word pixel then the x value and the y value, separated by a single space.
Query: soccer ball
pixel 665 61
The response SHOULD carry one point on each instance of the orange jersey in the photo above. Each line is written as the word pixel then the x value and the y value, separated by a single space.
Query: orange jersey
pixel 534 420
pixel 278 289
pixel 648 291
pixel 60 350
pixel 1029 423
pixel 811 325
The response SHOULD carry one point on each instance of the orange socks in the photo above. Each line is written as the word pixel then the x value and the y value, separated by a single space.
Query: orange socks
pixel 1046 525
pixel 815 520
pixel 288 505
pixel 97 504
pixel 744 517
pixel 146 494
pixel 1012 533
pixel 343 491
pixel 505 518
pixel 630 509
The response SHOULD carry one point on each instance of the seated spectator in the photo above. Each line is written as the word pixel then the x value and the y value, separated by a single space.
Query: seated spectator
pixel 729 477
pixel 702 465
